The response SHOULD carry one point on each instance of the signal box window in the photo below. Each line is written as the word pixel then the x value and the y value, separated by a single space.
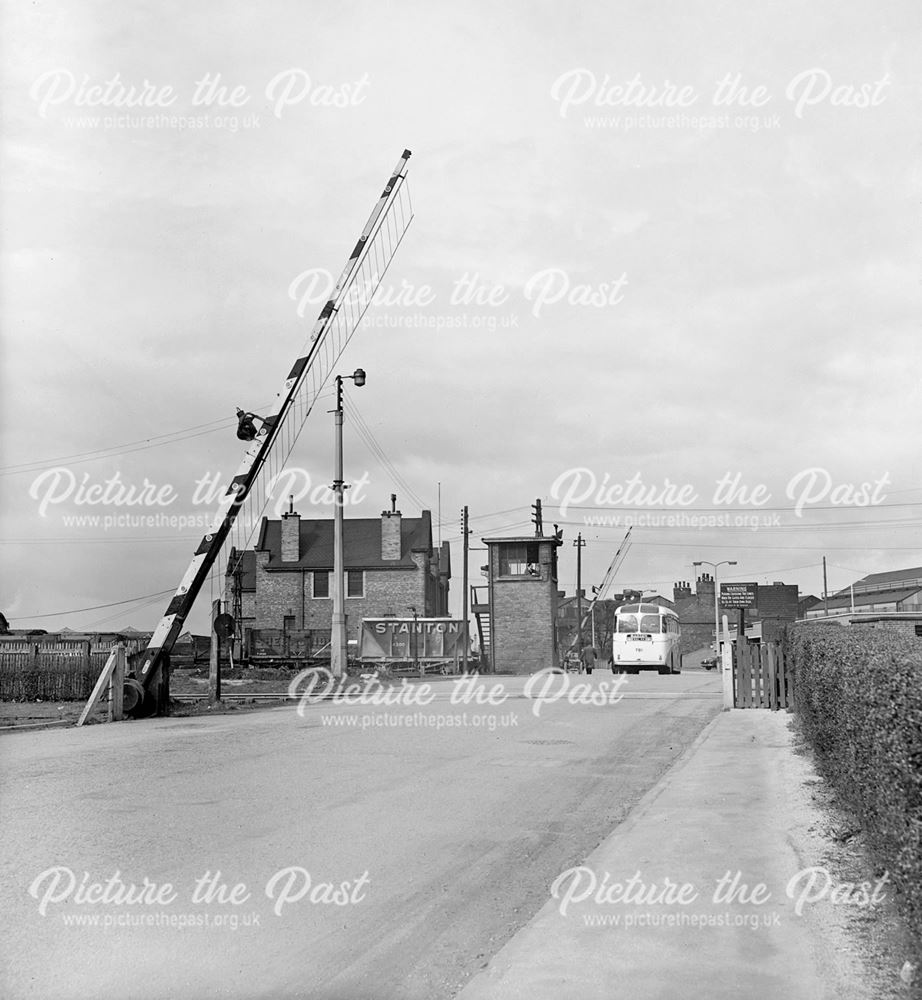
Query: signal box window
pixel 321 583
pixel 519 559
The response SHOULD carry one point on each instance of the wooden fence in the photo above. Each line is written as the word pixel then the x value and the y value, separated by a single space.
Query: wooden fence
pixel 60 671
pixel 763 676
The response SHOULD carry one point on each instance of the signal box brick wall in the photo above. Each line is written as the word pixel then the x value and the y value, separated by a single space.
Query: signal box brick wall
pixel 523 611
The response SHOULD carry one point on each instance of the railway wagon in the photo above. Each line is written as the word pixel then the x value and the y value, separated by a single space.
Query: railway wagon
pixel 401 645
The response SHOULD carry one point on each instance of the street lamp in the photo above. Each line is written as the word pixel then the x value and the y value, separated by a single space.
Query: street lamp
pixel 338 648
pixel 246 428
pixel 724 562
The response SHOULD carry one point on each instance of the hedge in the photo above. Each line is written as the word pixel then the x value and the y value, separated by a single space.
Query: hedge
pixel 858 694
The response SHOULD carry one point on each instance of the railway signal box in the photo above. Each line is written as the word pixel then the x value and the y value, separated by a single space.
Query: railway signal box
pixel 522 575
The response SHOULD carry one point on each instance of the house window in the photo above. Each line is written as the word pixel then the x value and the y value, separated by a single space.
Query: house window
pixel 321 579
pixel 288 623
pixel 919 630
pixel 355 583
pixel 519 559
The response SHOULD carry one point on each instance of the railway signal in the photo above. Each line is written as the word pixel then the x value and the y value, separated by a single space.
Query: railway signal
pixel 537 518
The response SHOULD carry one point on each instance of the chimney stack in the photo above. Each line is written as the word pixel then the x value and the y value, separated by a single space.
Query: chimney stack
pixel 291 533
pixel 391 548
pixel 704 586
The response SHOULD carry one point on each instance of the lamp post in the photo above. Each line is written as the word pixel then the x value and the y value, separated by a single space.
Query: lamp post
pixel 725 562
pixel 726 662
pixel 338 648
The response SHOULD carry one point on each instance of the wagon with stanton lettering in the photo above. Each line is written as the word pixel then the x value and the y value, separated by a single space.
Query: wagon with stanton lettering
pixel 408 645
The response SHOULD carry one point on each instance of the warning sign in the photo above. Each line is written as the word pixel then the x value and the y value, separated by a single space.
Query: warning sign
pixel 738 595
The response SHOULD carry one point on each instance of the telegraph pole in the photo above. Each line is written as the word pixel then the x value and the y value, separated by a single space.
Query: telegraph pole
pixel 579 543
pixel 466 611
pixel 825 590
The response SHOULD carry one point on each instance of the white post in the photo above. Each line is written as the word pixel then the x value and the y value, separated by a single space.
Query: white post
pixel 726 666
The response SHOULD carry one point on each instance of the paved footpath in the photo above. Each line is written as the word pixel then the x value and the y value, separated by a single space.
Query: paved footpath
pixel 639 918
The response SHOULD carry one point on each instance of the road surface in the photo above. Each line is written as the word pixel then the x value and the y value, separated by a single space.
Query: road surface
pixel 349 851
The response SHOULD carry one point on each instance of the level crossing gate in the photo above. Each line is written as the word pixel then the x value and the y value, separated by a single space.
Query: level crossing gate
pixel 763 676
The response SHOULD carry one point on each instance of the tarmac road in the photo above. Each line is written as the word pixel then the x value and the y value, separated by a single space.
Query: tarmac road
pixel 430 833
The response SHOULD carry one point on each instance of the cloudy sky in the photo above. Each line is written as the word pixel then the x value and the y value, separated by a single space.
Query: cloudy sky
pixel 688 234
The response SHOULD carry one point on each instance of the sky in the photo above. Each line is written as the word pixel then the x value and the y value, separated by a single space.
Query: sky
pixel 663 268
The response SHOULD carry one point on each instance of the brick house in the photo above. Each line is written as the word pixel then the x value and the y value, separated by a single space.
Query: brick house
pixel 285 582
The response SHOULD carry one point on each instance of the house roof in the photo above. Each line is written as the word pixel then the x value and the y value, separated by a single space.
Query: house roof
pixel 361 543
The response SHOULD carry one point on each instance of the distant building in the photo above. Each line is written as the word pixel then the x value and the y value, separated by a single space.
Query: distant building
pixel 568 619
pixel 285 582
pixel 806 604
pixel 657 599
pixel 895 591
pixel 776 607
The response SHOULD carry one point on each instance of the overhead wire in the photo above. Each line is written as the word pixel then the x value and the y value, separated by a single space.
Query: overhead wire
pixel 377 450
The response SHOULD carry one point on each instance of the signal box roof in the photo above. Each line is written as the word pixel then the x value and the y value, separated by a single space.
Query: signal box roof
pixel 522 538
